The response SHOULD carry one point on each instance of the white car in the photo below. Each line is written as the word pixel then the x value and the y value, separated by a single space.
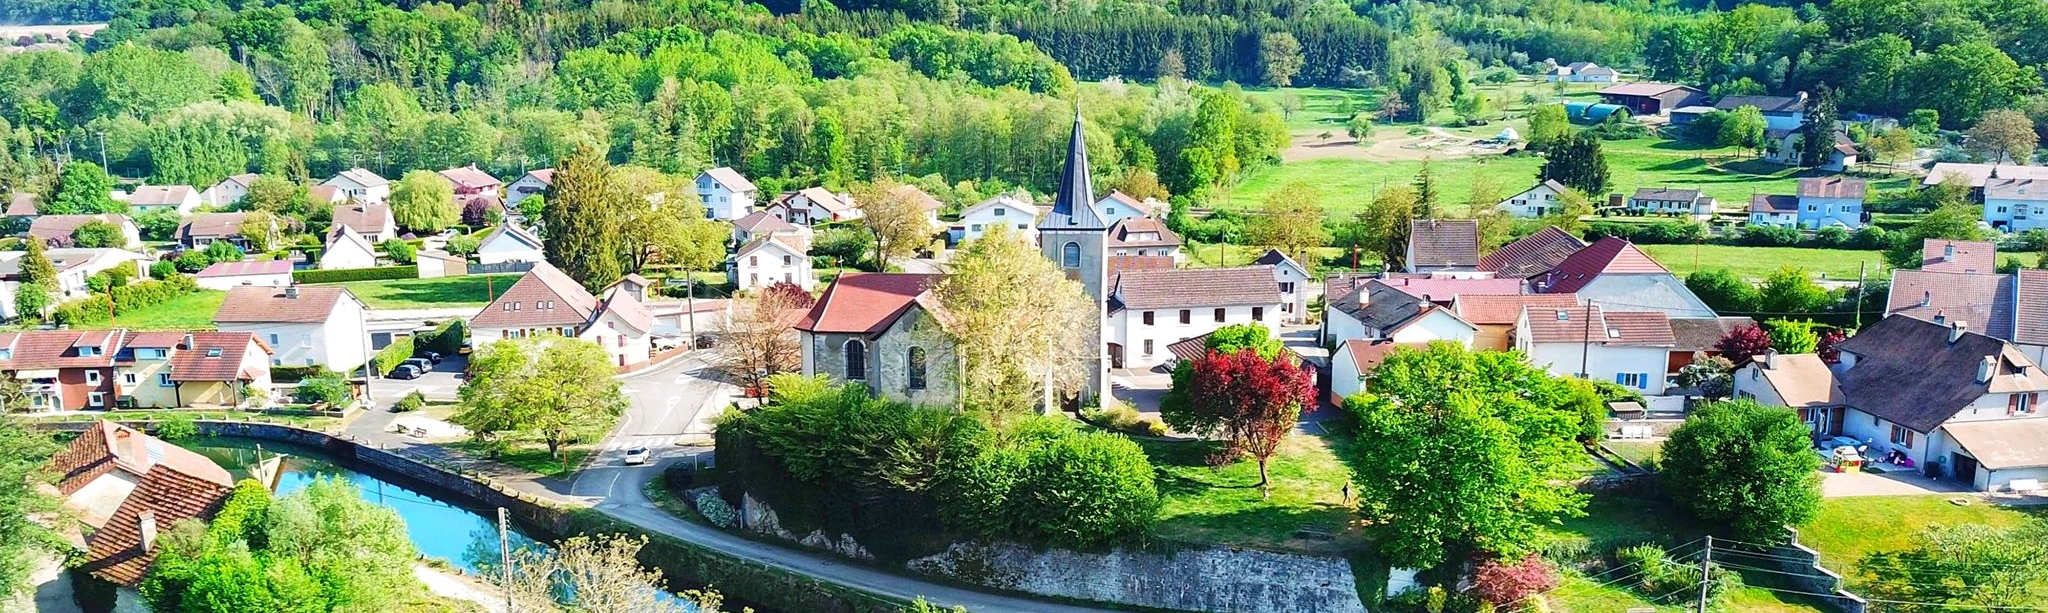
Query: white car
pixel 636 455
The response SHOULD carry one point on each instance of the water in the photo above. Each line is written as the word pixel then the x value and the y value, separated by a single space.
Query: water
pixel 465 538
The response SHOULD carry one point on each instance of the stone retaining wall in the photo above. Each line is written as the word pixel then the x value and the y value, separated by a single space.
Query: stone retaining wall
pixel 1802 568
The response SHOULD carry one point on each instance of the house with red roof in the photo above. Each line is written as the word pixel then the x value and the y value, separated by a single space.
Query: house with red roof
pixel 304 325
pixel 127 489
pixel 546 301
pixel 1494 315
pixel 229 275
pixel 1355 360
pixel 1957 283
pixel 471 181
pixel 812 206
pixel 1629 348
pixel 885 331
pixel 534 183
pixel 1614 274
pixel 69 370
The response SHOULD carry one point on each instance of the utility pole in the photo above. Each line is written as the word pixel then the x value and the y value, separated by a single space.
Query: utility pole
pixel 1585 341
pixel 505 554
pixel 1706 573
pixel 1861 268
pixel 103 150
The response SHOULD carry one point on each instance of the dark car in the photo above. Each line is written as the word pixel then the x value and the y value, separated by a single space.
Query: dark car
pixel 429 356
pixel 405 371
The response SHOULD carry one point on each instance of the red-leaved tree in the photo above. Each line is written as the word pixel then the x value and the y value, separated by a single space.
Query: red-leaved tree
pixel 1252 401
pixel 1504 584
pixel 790 295
pixel 1826 347
pixel 1743 343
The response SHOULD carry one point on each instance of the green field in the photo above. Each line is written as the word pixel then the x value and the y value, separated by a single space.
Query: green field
pixel 188 312
pixel 1222 505
pixel 1758 262
pixel 465 291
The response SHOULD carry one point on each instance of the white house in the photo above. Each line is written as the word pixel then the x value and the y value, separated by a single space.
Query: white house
pixel 228 191
pixel 1355 360
pixel 74 266
pixel 1539 200
pixel 546 301
pixel 311 325
pixel 373 220
pixel 229 275
pixel 535 182
pixel 1119 206
pixel 57 230
pixel 1581 72
pixel 760 224
pixel 814 205
pixel 1294 284
pixel 180 198
pixel 767 261
pixel 1150 309
pixel 472 181
pixel 361 184
pixel 1627 347
pixel 2016 205
pixel 926 203
pixel 1821 202
pixel 1674 202
pixel 347 249
pixel 509 243
pixel 726 194
pixel 1786 147
pixel 1003 210
pixel 1382 312
pixel 1777 210
pixel 1612 271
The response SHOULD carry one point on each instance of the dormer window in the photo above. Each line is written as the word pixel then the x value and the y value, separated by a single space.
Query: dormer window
pixel 86 352
pixel 6 354
pixel 1564 316
pixel 1613 333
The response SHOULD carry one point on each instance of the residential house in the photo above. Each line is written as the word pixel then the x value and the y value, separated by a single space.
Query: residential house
pixel 1004 210
pixel 726 193
pixel 535 182
pixel 1978 175
pixel 218 369
pixel 1119 206
pixel 361 184
pixel 129 488
pixel 1694 338
pixel 767 261
pixel 1957 283
pixel 1294 285
pixel 1787 147
pixel 68 370
pixel 309 325
pixel 229 275
pixel 546 301
pixel 886 332
pixel 347 249
pixel 509 243
pixel 198 231
pixel 22 204
pixel 325 195
pixel 1493 316
pixel 1532 255
pixel 2030 314
pixel 814 205
pixel 492 207
pixel 1950 400
pixel 1581 72
pixel 1802 381
pixel 227 192
pixel 926 204
pixel 1652 98
pixel 1780 112
pixel 469 181
pixel 1627 347
pixel 153 198
pixel 373 220
pixel 1143 236
pixel 1612 272
pixel 760 224
pixel 1150 309
pixel 1674 202
pixel 73 265
pixel 1344 291
pixel 1942 255
pixel 1355 360
pixel 1819 203
pixel 56 230
pixel 2016 205
pixel 1442 245
pixel 634 285
pixel 1378 311
pixel 1543 199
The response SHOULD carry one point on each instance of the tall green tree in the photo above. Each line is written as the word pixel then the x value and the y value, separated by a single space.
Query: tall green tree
pixel 2005 135
pixel 1818 135
pixel 1792 290
pixel 1280 54
pixel 424 201
pixel 83 188
pixel 1548 125
pixel 1746 466
pixel 38 283
pixel 585 220
pixel 1577 162
pixel 555 388
pixel 1723 291
pixel 24 459
pixel 1426 196
pixel 1291 220
pixel 1743 129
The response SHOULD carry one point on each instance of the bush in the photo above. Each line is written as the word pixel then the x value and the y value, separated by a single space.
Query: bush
pixel 356 274
pixel 1871 238
pixel 1770 236
pixel 411 402
pixel 192 261
pixel 445 340
pixel 391 355
pixel 716 510
pixel 1084 490
pixel 294 374
pixel 1831 237
pixel 1125 420
pixel 1668 581
pixel 1744 466
pixel 124 299
pixel 400 251
pixel 176 427
pixel 328 388
pixel 1503 583
pixel 163 268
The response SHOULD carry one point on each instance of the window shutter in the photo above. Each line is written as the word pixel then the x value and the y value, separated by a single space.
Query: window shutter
pixel 1618 378
pixel 2012 404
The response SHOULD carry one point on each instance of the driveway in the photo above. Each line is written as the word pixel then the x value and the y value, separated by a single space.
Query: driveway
pixel 441 384
pixel 1899 482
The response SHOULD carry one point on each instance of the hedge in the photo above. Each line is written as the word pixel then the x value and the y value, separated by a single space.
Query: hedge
pixel 445 340
pixel 356 274
pixel 124 299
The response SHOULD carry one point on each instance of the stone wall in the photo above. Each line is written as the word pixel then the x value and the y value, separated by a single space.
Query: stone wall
pixel 1223 580
pixel 1802 569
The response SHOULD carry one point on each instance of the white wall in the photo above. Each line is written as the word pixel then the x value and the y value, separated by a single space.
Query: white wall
pixel 1536 202
pixel 722 203
pixel 1345 380
pixel 1020 222
pixel 620 341
pixel 507 250
pixel 1339 326
pixel 339 343
pixel 1294 289
pixel 1127 328
pixel 1782 220
pixel 1438 325
pixel 520 190
pixel 1602 362
pixel 770 265
pixel 347 254
pixel 2018 215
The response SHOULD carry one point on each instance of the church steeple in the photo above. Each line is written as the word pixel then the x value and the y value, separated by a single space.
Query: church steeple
pixel 1073 206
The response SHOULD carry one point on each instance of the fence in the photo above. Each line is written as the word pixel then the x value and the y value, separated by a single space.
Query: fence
pixel 500 268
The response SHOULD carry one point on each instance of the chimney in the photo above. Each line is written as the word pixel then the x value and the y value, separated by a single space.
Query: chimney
pixel 1956 330
pixel 291 292
pixel 1941 318
pixel 1927 298
pixel 188 341
pixel 1770 359
pixel 1985 367
pixel 146 524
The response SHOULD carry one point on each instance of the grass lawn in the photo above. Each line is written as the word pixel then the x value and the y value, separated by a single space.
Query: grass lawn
pixel 1643 453
pixel 531 455
pixel 1759 262
pixel 1848 528
pixel 470 290
pixel 1322 108
pixel 1211 255
pixel 192 311
pixel 1222 505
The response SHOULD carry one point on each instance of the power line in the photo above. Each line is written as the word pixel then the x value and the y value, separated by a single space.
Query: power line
pixel 2029 590
pixel 1981 607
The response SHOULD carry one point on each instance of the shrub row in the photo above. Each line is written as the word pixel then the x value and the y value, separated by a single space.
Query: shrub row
pixel 124 299
pixel 380 273
pixel 1686 232
pixel 445 340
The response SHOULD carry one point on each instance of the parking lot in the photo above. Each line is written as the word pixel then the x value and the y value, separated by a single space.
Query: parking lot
pixel 440 384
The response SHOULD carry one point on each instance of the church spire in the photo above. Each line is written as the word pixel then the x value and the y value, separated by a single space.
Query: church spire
pixel 1073 206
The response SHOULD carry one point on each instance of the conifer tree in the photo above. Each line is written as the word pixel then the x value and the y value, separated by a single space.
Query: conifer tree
pixel 585 220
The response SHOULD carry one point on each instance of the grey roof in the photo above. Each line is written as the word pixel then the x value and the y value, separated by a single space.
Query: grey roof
pixel 1439 243
pixel 1073 206
pixel 1981 300
pixel 1702 333
pixel 1773 203
pixel 1381 307
pixel 1907 372
pixel 1767 104
pixel 2032 190
pixel 1667 194
pixel 1174 288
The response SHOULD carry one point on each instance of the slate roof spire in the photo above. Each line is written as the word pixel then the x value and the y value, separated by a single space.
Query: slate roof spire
pixel 1073 206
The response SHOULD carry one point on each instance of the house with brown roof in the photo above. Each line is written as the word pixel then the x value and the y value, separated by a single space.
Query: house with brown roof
pixel 1820 202
pixel 1493 316
pixel 547 301
pixel 198 231
pixel 928 205
pixel 1801 381
pixel 1958 283
pixel 760 224
pixel 1780 112
pixel 1143 236
pixel 66 370
pixel 1949 399
pixel 885 331
pixel 1150 309
pixel 1352 365
pixel 57 231
pixel 1442 245
pixel 1612 272
pixel 21 204
pixel 811 206
pixel 305 325
pixel 1694 338
pixel 153 198
pixel 1379 310
pixel 471 181
pixel 260 273
pixel 74 266
pixel 128 488
pixel 373 220
pixel 726 193
pixel 533 183
pixel 1627 347
pixel 1652 98
pixel 1531 255
pixel 361 184
pixel 1672 202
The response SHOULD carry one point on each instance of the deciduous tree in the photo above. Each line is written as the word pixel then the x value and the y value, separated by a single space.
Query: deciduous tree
pixel 758 338
pixel 1743 343
pixel 1965 566
pixel 1723 291
pixel 1742 129
pixel 895 219
pixel 1018 323
pixel 1788 336
pixel 1291 220
pixel 1548 125
pixel 83 188
pixel 424 201
pixel 1280 55
pixel 1792 290
pixel 38 282
pixel 24 458
pixel 1250 400
pixel 560 389
pixel 1745 466
pixel 2004 135
pixel 98 234
pixel 1386 223
pixel 600 574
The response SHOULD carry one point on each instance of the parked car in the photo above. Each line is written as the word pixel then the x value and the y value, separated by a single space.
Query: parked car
pixel 429 356
pixel 420 363
pixel 406 371
pixel 467 346
pixel 637 455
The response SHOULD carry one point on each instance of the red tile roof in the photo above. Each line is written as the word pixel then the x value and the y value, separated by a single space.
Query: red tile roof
pixel 2030 316
pixel 760 221
pixel 1142 232
pixel 1533 254
pixel 543 297
pixel 1500 309
pixel 621 302
pixel 246 267
pixel 470 177
pixel 1444 290
pixel 1832 187
pixel 54 349
pixel 257 304
pixel 865 303
pixel 216 356
pixel 1637 328
pixel 1367 355
pixel 173 484
pixel 367 219
pixel 1119 264
pixel 1607 256
pixel 21 204
pixel 1941 255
